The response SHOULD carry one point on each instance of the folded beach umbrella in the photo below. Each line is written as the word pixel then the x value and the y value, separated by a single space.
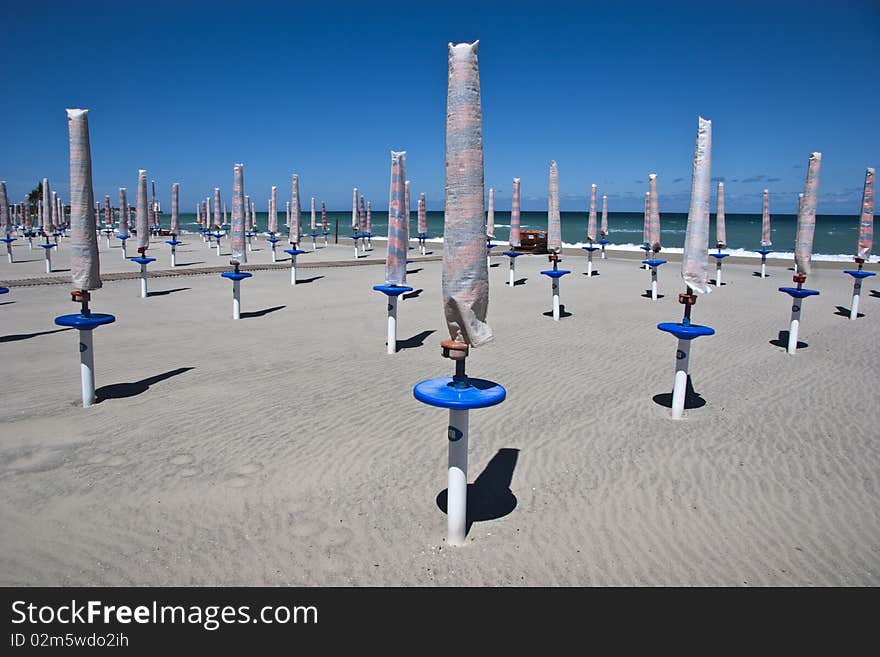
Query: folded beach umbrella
pixel 123 211
pixel 490 215
pixel 313 221
pixel 85 270
pixel 765 220
pixel 369 218
pixel 273 211
pixel 720 227
pixel 554 226
pixel 646 232
pixel 239 210
pixel 323 216
pixel 295 210
pixel 47 208
pixel 175 209
pixel 806 222
pixel 142 225
pixel 354 211
pixel 5 217
pixel 465 278
pixel 803 249
pixel 395 261
pixel 362 214
pixel 863 248
pixel 603 229
pixel 154 206
pixel 217 209
pixel 695 257
pixel 592 221
pixel 654 215
pixel 515 215
pixel 423 215
pixel 287 215
pixel 108 212
pixel 866 219
pixel 465 271
pixel 694 264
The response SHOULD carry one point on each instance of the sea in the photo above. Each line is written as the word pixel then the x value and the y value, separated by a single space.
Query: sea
pixel 835 237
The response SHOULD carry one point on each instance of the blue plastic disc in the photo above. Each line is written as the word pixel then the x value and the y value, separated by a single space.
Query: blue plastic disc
pixel 85 322
pixel 236 276
pixel 719 256
pixel 173 242
pixel 685 331
pixel 590 248
pixel 858 273
pixel 4 290
pixel 122 237
pixel 654 263
pixel 763 251
pixel 799 294
pixel 442 393
pixel 392 290
pixel 513 254
pixel 556 273
pixel 294 252
pixel 143 261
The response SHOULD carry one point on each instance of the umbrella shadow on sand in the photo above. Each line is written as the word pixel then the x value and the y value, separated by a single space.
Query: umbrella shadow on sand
pixel 123 390
pixel 782 341
pixel 844 312
pixel 489 497
pixel 692 398
pixel 27 336
pixel 415 341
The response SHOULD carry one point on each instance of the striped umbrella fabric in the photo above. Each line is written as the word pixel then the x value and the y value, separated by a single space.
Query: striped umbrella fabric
pixel 695 257
pixel 362 214
pixel 603 230
pixel 354 210
pixel 654 215
pixel 47 207
pixel 295 210
pixel 273 211
pixel 646 232
pixel 423 215
pixel 515 215
pixel 175 209
pixel 108 212
pixel 5 218
pixel 237 238
pixel 407 215
pixel 313 223
pixel 806 223
pixel 554 225
pixel 85 266
pixel 720 226
pixel 323 216
pixel 591 222
pixel 143 225
pixel 369 226
pixel 765 220
pixel 217 208
pixel 465 271
pixel 866 220
pixel 123 211
pixel 490 215
pixel 395 260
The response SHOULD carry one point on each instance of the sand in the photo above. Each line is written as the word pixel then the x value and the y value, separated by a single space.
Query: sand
pixel 286 448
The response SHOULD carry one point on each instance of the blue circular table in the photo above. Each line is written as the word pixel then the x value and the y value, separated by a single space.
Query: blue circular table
pixel 685 331
pixel 802 293
pixel 392 290
pixel 654 263
pixel 859 273
pixel 236 275
pixel 85 322
pixel 446 392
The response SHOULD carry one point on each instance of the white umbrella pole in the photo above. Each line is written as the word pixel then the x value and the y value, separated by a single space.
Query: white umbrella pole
pixel 654 283
pixel 682 356
pixel 456 491
pixel 718 273
pixel 589 264
pixel 392 324
pixel 236 299
pixel 143 280
pixel 511 271
pixel 554 286
pixel 795 324
pixel 48 261
pixel 173 256
pixel 218 246
pixel 87 367
pixel 763 266
pixel 857 289
pixel 293 270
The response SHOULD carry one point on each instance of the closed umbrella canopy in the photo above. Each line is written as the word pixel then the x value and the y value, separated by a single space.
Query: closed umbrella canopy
pixel 554 225
pixel 423 215
pixel 695 258
pixel 313 225
pixel 123 211
pixel 295 210
pixel 237 238
pixel 354 210
pixel 323 216
pixel 395 261
pixel 603 230
pixel 47 207
pixel 806 223
pixel 765 220
pixel 465 271
pixel 720 227
pixel 591 222
pixel 143 222
pixel 654 215
pixel 5 219
pixel 175 209
pixel 85 267
pixel 369 226
pixel 514 215
pixel 646 231
pixel 490 214
pixel 217 209
pixel 866 220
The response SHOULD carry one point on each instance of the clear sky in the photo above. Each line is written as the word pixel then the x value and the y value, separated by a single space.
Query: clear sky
pixel 611 90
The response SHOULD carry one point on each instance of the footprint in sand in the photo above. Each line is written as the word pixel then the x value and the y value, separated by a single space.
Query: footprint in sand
pixel 189 472
pixel 182 459
pixel 37 461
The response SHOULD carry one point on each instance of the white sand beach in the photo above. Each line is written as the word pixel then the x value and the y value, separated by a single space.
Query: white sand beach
pixel 287 449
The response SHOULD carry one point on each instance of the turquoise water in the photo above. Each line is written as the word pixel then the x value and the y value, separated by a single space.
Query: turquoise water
pixel 836 235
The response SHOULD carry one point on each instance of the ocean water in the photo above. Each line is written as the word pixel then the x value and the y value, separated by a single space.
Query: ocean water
pixel 835 237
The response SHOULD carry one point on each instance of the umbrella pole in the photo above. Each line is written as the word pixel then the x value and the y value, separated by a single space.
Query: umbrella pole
pixel 293 270
pixel 236 299
pixel 456 501
pixel 511 271
pixel 392 325
pixel 857 275
pixel 653 283
pixel 763 265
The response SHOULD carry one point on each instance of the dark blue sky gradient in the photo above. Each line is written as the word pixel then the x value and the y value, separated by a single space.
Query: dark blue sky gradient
pixel 611 91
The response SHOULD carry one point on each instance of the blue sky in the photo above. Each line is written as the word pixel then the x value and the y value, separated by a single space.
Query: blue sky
pixel 611 90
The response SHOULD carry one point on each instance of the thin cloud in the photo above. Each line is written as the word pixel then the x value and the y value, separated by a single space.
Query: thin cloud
pixel 677 180
pixel 639 182
pixel 718 179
